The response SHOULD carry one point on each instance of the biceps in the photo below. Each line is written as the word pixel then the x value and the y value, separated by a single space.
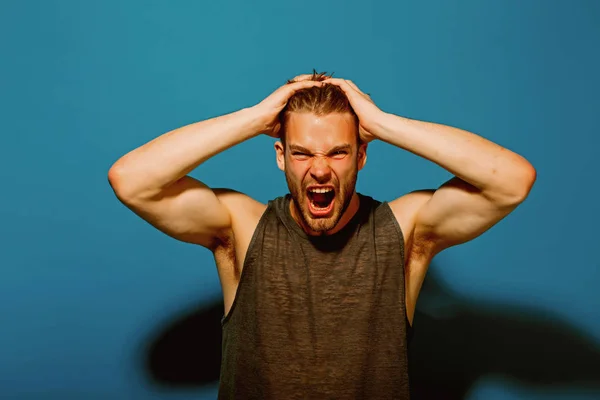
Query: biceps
pixel 457 213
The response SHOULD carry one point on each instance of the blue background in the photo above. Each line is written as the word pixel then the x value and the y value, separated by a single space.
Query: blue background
pixel 86 287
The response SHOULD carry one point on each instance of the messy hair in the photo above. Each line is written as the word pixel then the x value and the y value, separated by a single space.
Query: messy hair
pixel 318 100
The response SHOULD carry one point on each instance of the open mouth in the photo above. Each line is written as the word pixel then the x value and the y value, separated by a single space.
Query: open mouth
pixel 320 200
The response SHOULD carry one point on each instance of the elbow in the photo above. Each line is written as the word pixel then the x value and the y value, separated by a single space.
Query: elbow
pixel 130 185
pixel 118 182
pixel 523 183
pixel 512 188
pixel 114 180
pixel 113 175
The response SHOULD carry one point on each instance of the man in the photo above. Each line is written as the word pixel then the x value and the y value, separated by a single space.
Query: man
pixel 320 285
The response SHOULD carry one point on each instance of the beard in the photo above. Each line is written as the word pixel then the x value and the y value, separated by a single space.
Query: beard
pixel 341 201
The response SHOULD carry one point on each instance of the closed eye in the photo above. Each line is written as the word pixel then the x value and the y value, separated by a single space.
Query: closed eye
pixel 298 154
pixel 339 153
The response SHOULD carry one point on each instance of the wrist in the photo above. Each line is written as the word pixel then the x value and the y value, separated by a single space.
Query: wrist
pixel 254 120
pixel 387 125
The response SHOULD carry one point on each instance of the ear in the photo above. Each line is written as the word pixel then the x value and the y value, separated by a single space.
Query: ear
pixel 362 155
pixel 280 154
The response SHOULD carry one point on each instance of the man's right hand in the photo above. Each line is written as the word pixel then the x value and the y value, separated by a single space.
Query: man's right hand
pixel 152 180
pixel 270 108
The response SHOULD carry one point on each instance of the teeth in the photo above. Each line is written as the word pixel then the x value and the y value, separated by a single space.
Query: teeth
pixel 321 190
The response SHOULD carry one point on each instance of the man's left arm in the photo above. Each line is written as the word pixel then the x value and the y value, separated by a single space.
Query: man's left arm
pixel 489 180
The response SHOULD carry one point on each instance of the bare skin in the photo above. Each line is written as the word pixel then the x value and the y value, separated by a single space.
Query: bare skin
pixel 489 182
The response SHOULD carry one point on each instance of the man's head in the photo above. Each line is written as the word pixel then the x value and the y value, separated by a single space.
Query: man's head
pixel 321 153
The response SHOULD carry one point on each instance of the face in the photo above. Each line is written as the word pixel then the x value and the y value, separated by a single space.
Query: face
pixel 321 163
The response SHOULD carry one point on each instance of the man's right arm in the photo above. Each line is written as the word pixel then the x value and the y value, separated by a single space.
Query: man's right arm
pixel 152 180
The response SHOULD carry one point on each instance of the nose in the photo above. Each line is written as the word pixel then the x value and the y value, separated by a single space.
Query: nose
pixel 320 170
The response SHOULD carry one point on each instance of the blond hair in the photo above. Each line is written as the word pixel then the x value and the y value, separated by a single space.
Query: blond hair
pixel 318 100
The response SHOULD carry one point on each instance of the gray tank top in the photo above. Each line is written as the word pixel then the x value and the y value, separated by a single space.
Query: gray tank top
pixel 319 317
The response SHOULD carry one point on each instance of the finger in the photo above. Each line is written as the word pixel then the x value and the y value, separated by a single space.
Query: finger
pixel 291 88
pixel 304 84
pixel 353 85
pixel 367 95
pixel 302 77
pixel 338 81
pixel 349 82
pixel 343 84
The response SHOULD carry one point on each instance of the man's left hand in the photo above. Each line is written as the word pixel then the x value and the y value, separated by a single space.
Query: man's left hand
pixel 366 110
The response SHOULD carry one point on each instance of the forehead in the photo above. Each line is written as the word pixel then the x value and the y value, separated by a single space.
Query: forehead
pixel 320 132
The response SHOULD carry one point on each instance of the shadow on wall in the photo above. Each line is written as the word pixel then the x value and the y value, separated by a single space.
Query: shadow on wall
pixel 455 343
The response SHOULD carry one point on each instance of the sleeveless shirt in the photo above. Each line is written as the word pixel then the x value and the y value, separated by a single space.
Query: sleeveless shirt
pixel 319 317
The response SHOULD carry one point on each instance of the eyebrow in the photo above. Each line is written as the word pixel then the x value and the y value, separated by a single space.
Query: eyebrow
pixel 345 146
